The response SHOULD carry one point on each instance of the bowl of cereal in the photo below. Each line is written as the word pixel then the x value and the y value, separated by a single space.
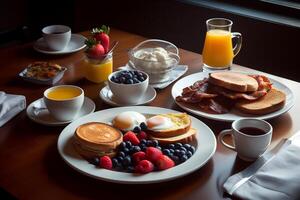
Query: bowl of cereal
pixel 155 57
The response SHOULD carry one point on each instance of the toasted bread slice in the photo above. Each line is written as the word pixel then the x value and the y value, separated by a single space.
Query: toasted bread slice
pixel 181 124
pixel 98 136
pixel 272 101
pixel 234 81
pixel 187 137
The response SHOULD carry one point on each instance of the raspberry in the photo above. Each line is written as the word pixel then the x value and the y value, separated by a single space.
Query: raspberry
pixel 105 162
pixel 130 136
pixel 164 162
pixel 138 156
pixel 142 135
pixel 153 154
pixel 144 166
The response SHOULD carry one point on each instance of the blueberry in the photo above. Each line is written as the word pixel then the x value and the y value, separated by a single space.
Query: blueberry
pixel 128 144
pixel 143 141
pixel 129 81
pixel 95 161
pixel 143 126
pixel 136 149
pixel 172 151
pixel 175 159
pixel 178 145
pixel 137 129
pixel 187 146
pixel 120 159
pixel 116 163
pixel 136 73
pixel 122 145
pixel 144 148
pixel 135 80
pixel 128 76
pixel 132 72
pixel 122 79
pixel 192 149
pixel 149 143
pixel 126 161
pixel 121 154
pixel 183 158
pixel 158 147
pixel 126 150
pixel 189 154
pixel 141 78
pixel 166 152
pixel 130 169
pixel 171 146
pixel 177 152
pixel 155 143
pixel 183 149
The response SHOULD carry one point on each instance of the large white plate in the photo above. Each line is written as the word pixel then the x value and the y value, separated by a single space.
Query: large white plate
pixel 233 114
pixel 206 147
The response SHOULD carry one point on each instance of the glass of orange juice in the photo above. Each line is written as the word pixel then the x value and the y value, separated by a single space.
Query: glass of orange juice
pixel 98 70
pixel 218 51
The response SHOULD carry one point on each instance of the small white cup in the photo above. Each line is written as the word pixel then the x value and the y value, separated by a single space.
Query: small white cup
pixel 66 109
pixel 57 37
pixel 128 94
pixel 249 146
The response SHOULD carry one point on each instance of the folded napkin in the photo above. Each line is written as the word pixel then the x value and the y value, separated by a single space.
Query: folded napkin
pixel 275 175
pixel 10 106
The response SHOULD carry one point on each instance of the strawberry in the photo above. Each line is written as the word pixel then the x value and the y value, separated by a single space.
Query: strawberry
pixel 153 154
pixel 142 135
pixel 95 50
pixel 105 162
pixel 164 162
pixel 138 156
pixel 130 136
pixel 144 166
pixel 101 35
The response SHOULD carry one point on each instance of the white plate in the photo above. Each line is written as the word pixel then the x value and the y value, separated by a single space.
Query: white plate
pixel 43 116
pixel 206 147
pixel 107 96
pixel 76 43
pixel 233 114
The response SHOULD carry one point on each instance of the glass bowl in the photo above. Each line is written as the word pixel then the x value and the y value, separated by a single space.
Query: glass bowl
pixel 155 57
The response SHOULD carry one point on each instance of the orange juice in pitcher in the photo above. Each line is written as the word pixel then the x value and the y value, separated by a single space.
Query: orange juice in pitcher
pixel 217 51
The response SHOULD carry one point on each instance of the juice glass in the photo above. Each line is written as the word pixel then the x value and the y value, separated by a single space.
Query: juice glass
pixel 218 52
pixel 98 70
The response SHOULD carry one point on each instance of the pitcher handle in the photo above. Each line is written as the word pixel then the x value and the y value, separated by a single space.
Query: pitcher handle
pixel 238 44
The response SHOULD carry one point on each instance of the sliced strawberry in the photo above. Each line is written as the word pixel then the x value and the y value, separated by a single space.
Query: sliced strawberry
pixel 138 156
pixel 142 135
pixel 144 166
pixel 153 154
pixel 105 162
pixel 130 136
pixel 101 35
pixel 164 162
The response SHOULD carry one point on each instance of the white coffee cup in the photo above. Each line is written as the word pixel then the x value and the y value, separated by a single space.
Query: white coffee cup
pixel 57 37
pixel 251 137
pixel 64 109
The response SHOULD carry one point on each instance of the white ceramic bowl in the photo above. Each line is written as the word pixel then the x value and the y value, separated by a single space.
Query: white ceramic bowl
pixel 158 70
pixel 128 93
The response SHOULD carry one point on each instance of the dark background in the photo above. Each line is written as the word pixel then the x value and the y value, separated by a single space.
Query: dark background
pixel 267 46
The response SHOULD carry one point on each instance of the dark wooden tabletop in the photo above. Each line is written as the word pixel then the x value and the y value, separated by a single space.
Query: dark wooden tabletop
pixel 31 167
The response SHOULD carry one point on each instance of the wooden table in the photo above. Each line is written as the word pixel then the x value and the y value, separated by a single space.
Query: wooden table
pixel 31 168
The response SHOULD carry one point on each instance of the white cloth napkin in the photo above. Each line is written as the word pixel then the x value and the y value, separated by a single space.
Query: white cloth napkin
pixel 275 175
pixel 10 106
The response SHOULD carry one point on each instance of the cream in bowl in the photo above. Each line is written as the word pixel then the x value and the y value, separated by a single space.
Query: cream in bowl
pixel 64 101
pixel 128 86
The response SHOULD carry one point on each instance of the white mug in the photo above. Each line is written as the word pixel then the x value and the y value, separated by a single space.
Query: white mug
pixel 251 137
pixel 57 37
pixel 64 109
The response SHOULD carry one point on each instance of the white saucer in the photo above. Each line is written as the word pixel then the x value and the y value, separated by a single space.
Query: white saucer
pixel 44 117
pixel 76 43
pixel 107 96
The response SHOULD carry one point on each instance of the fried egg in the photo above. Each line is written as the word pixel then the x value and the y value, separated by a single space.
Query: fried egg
pixel 128 120
pixel 158 123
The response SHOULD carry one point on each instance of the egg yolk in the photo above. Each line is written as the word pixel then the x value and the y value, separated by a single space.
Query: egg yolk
pixel 155 121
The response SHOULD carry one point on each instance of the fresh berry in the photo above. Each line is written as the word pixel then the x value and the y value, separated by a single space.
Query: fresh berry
pixel 105 162
pixel 130 168
pixel 175 159
pixel 101 35
pixel 138 156
pixel 127 161
pixel 171 146
pixel 164 162
pixel 178 145
pixel 116 163
pixel 121 154
pixel 153 154
pixel 95 161
pixel 144 166
pixel 95 51
pixel 128 77
pixel 142 136
pixel 143 141
pixel 143 126
pixel 130 136
pixel 122 145
pixel 128 144
pixel 183 158
pixel 137 129
pixel 155 143
pixel 166 152
pixel 189 154
pixel 136 149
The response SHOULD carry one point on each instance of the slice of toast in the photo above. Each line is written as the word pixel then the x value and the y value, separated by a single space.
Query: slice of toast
pixel 234 81
pixel 183 138
pixel 272 101
pixel 181 124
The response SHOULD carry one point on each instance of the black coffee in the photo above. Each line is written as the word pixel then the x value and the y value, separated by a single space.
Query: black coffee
pixel 57 32
pixel 252 131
